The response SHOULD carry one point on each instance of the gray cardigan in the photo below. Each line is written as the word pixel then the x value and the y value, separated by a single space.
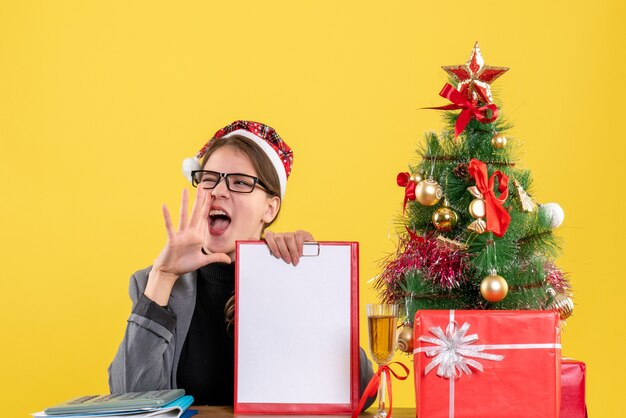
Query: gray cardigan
pixel 147 358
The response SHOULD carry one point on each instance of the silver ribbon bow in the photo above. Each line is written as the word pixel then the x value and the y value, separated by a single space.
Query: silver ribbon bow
pixel 452 351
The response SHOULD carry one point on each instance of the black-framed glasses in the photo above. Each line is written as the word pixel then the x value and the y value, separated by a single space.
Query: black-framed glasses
pixel 235 182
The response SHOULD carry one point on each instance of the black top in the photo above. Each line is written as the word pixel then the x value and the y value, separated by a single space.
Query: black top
pixel 206 366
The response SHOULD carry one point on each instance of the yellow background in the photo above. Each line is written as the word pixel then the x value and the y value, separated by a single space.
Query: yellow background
pixel 100 101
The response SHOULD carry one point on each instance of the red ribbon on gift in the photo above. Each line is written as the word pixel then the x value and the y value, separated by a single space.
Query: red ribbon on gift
pixel 498 218
pixel 373 385
pixel 470 109
pixel 404 180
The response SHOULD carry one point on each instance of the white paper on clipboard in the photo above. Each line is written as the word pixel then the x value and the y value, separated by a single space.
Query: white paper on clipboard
pixel 296 328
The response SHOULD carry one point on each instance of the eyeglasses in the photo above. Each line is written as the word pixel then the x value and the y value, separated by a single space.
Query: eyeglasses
pixel 235 182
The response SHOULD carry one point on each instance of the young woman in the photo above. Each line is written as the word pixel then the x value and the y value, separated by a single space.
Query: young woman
pixel 179 334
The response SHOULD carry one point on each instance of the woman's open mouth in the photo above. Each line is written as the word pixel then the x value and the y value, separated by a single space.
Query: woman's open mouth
pixel 219 221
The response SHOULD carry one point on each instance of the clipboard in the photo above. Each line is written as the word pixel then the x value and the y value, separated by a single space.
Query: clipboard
pixel 297 330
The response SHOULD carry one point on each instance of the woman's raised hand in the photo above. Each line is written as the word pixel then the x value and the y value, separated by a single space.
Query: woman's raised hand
pixel 288 245
pixel 183 252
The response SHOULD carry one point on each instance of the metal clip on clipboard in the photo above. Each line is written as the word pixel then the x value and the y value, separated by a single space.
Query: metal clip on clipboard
pixel 311 249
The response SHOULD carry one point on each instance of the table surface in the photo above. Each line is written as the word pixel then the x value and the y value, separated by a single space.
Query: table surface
pixel 227 412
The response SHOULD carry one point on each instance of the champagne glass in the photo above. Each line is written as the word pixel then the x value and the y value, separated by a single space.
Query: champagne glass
pixel 381 322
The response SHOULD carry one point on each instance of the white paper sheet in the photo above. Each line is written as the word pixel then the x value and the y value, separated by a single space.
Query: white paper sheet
pixel 294 327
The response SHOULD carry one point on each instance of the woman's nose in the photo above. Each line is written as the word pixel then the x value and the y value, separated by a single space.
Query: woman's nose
pixel 220 190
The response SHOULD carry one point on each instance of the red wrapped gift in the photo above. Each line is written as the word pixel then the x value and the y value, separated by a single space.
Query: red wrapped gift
pixel 487 364
pixel 573 389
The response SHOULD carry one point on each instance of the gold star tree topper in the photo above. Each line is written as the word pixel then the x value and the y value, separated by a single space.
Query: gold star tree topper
pixel 474 77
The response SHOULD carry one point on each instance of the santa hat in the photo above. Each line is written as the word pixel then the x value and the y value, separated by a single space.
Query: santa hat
pixel 264 136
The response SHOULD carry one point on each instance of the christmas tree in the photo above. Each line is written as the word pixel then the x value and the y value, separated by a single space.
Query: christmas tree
pixel 472 236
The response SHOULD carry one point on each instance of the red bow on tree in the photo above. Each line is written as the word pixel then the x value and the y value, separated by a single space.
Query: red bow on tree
pixel 497 215
pixel 404 180
pixel 470 109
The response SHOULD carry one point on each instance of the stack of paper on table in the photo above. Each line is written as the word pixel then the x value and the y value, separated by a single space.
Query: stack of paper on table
pixel 109 406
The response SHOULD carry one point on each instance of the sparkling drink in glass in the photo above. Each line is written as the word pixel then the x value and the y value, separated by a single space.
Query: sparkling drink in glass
pixel 381 321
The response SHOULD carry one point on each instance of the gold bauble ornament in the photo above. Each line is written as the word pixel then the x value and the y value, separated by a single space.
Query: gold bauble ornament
pixel 405 339
pixel 428 192
pixel 494 288
pixel 564 305
pixel 416 178
pixel 498 141
pixel 445 218
pixel 561 303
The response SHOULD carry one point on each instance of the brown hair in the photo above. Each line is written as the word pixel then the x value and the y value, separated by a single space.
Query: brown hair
pixel 264 168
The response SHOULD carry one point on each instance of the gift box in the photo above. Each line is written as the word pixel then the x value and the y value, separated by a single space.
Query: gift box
pixel 573 389
pixel 487 364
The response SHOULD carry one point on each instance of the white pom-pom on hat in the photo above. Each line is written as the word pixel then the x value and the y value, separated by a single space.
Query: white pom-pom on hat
pixel 190 164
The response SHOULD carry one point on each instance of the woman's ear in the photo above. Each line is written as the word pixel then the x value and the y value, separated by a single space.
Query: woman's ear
pixel 271 210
